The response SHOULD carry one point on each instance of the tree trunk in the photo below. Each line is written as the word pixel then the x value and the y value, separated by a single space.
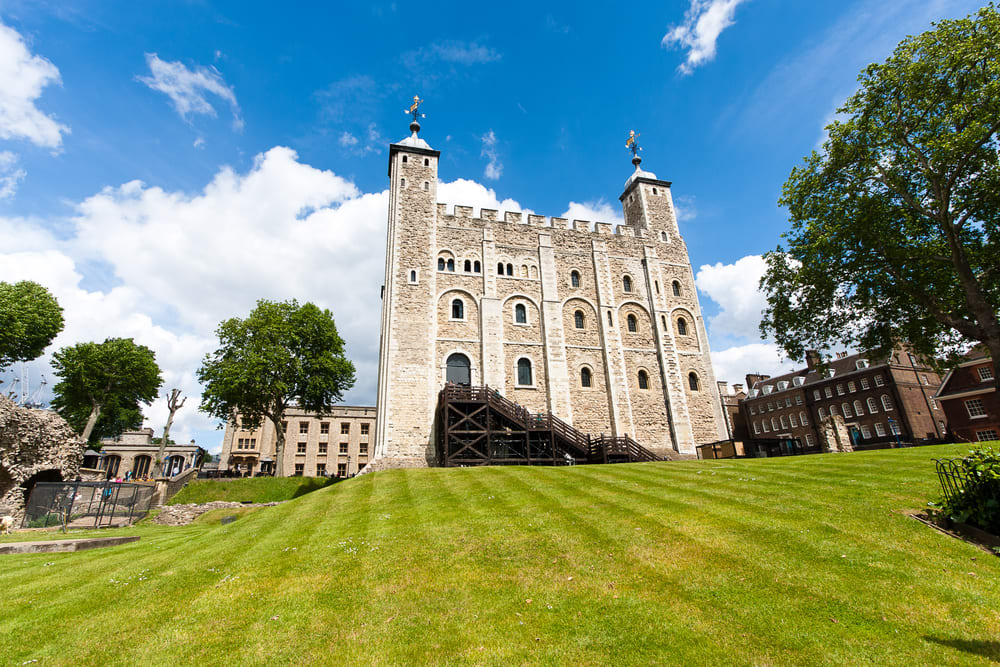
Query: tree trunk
pixel 279 445
pixel 174 406
pixel 91 420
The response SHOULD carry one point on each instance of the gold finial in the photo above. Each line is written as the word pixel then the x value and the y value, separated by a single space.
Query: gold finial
pixel 414 108
pixel 632 142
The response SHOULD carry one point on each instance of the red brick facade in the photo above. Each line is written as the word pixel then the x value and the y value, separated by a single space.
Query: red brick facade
pixel 970 399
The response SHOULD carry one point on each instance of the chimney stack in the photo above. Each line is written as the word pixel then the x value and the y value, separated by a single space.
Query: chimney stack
pixel 812 359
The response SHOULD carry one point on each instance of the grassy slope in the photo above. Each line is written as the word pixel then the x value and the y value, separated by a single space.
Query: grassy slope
pixel 256 489
pixel 781 561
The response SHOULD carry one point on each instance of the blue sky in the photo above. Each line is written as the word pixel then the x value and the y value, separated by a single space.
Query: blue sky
pixel 163 166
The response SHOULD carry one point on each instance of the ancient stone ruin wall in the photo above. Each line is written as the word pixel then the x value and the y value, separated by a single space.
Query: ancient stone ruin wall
pixel 31 442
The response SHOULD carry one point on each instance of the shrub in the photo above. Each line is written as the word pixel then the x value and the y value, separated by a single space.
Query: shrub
pixel 978 501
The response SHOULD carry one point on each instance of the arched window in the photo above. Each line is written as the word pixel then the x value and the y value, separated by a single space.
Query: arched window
pixel 427 185
pixel 524 270
pixel 459 369
pixel 524 372
pixel 510 270
pixel 682 326
pixel 500 269
pixel 584 377
pixel 859 409
pixel 643 380
pixel 676 286
pixel 872 405
pixel 534 272
pixel 520 314
pixel 833 409
pixel 803 419
pixel 774 423
pixel 574 278
pixel 846 409
pixel 457 310
pixel 822 414
pixel 404 159
pixel 477 267
pixel 578 320
pixel 413 276
pixel 784 421
pixel 627 283
pixel 610 321
pixel 886 402
pixel 663 236
pixel 451 265
pixel 402 182
pixel 693 381
pixel 633 324
pixel 468 266
pixel 440 263
pixel 427 162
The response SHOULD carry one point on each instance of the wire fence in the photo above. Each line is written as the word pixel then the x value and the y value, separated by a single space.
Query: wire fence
pixel 86 504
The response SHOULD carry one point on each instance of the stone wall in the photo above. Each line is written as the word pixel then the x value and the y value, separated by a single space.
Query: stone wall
pixel 32 442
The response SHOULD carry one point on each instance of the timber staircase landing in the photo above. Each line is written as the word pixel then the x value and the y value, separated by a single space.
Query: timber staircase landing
pixel 478 426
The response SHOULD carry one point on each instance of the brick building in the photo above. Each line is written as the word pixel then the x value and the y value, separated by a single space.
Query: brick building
pixel 315 446
pixel 969 397
pixel 878 400
pixel 599 326
pixel 736 427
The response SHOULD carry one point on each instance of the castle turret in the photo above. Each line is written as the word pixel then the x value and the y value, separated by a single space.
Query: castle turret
pixel 407 385
pixel 647 204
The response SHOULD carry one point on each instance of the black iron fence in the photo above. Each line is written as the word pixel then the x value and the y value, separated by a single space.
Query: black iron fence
pixel 952 475
pixel 86 504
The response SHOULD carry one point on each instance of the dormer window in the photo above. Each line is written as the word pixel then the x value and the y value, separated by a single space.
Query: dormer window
pixel 783 385
pixel 798 381
pixel 768 389
pixel 861 363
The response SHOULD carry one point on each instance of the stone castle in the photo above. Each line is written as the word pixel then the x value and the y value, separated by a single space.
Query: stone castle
pixel 599 326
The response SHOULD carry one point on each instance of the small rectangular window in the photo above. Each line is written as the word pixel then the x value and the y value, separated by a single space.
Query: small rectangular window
pixel 301 448
pixel 879 381
pixel 864 383
pixel 303 427
pixel 987 435
pixel 321 470
pixel 300 469
pixel 894 427
pixel 343 448
pixel 828 392
pixel 341 470
pixel 322 447
pixel 363 448
pixel 364 429
pixel 798 400
pixel 816 395
pixel 975 408
pixel 924 380
pixel 865 431
pixel 985 373
pixel 345 428
pixel 879 429
pixel 851 387
pixel 324 428
pixel 810 441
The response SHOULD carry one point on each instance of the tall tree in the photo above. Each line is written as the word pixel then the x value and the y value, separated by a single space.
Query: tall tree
pixel 895 222
pixel 30 317
pixel 111 379
pixel 173 405
pixel 282 354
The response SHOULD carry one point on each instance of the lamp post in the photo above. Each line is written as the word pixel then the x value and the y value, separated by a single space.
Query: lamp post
pixel 895 432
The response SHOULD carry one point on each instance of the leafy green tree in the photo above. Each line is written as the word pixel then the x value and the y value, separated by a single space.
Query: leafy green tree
pixel 282 354
pixel 105 381
pixel 895 222
pixel 30 317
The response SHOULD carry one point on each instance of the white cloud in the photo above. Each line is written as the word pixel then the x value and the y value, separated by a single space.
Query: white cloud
pixel 734 287
pixel 684 208
pixel 23 76
pixel 734 363
pixel 10 174
pixel 199 142
pixel 594 211
pixel 347 139
pixel 464 192
pixel 449 51
pixel 703 22
pixel 188 89
pixel 494 168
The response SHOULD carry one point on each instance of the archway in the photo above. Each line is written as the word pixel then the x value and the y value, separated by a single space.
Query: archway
pixel 51 475
pixel 459 369
pixel 141 465
pixel 111 463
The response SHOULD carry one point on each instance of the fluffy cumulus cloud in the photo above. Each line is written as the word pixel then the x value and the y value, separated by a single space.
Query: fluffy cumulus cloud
pixel 594 211
pixel 703 22
pixel 10 174
pixel 189 89
pixel 23 77
pixel 463 192
pixel 736 345
pixel 494 168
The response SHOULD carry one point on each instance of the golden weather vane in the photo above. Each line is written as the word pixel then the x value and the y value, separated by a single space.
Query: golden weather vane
pixel 632 142
pixel 414 108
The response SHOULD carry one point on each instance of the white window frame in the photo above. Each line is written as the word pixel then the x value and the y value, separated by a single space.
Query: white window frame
pixel 975 408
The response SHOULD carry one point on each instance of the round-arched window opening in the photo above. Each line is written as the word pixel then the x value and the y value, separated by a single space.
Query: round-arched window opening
pixel 693 381
pixel 468 266
pixel 643 380
pixel 520 314
pixel 459 369
pixel 578 319
pixel 510 270
pixel 633 324
pixel 441 264
pixel 627 283
pixel 457 310
pixel 574 279
pixel 682 326
pixel 677 288
pixel 476 267
pixel 451 265
pixel 524 372
pixel 585 377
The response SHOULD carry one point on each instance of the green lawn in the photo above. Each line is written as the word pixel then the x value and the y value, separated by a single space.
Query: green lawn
pixel 805 560
pixel 255 489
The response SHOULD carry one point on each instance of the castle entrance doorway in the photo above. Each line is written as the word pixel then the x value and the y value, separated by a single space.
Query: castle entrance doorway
pixel 459 369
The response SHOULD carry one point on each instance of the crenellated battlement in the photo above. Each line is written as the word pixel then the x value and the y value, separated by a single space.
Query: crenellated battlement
pixel 462 215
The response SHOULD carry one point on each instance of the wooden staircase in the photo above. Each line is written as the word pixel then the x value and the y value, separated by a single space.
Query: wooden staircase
pixel 479 426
